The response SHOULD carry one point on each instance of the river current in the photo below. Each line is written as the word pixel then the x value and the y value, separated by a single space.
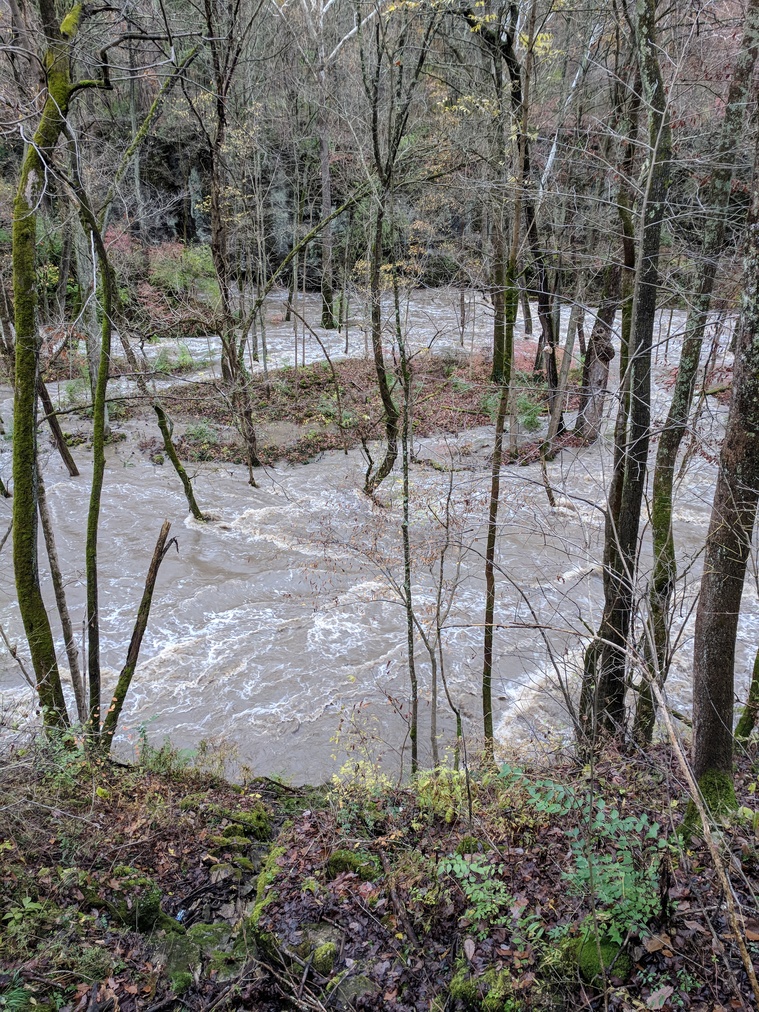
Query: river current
pixel 278 630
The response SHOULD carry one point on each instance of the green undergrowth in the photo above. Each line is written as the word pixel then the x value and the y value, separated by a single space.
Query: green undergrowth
pixel 163 883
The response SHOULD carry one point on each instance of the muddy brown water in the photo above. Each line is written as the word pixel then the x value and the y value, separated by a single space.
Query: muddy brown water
pixel 278 629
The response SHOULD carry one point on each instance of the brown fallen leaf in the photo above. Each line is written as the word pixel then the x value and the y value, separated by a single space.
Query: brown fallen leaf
pixel 658 998
pixel 469 948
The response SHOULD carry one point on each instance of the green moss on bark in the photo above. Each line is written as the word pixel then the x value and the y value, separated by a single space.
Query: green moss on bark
pixel 718 792
pixel 30 184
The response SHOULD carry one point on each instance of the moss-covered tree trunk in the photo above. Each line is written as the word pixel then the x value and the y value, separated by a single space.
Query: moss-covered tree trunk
pixel 665 565
pixel 748 718
pixel 604 678
pixel 728 544
pixel 31 185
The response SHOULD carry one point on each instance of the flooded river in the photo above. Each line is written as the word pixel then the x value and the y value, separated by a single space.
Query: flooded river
pixel 279 627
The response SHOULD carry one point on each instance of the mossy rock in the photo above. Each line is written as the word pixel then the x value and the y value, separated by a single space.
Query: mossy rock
pixel 499 992
pixel 180 954
pixel 321 943
pixel 464 989
pixel 181 982
pixel 264 896
pixel 245 864
pixel 490 992
pixel 218 844
pixel 325 958
pixel 141 907
pixel 204 943
pixel 193 801
pixel 472 845
pixel 209 938
pixel 227 965
pixel 93 964
pixel 256 822
pixel 345 990
pixel 588 954
pixel 364 865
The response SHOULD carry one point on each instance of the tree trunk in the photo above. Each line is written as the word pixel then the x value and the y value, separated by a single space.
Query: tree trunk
pixel 60 599
pixel 376 477
pixel 143 614
pixel 327 280
pixel 604 688
pixel 29 192
pixel 600 352
pixel 406 378
pixel 665 564
pixel 728 543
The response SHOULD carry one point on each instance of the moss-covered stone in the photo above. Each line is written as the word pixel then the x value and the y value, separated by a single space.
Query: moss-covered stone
pixel 498 992
pixel 267 875
pixel 179 954
pixel 324 958
pixel 346 989
pixel 181 982
pixel 93 964
pixel 464 989
pixel 193 801
pixel 363 865
pixel 209 938
pixel 141 907
pixel 244 864
pixel 255 823
pixel 490 992
pixel 595 958
pixel 222 843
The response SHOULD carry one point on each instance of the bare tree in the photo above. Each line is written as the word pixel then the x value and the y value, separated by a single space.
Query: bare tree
pixel 604 680
pixel 665 564
pixel 728 545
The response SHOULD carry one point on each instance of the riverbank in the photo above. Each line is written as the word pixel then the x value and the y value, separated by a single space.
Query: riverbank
pixel 161 885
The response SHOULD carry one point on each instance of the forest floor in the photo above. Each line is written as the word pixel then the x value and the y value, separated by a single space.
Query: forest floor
pixel 300 413
pixel 162 886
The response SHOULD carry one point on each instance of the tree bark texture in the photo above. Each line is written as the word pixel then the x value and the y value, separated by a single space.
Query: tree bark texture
pixel 29 191
pixel 604 689
pixel 728 542
pixel 665 564
pixel 143 614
